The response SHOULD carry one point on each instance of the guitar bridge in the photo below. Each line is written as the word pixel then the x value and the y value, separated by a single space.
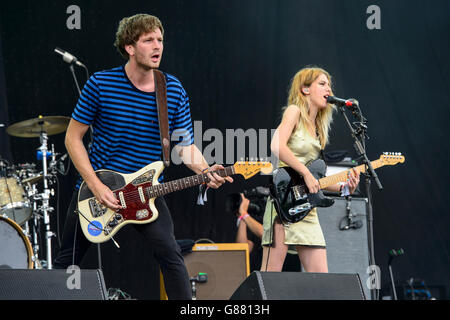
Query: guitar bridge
pixel 97 209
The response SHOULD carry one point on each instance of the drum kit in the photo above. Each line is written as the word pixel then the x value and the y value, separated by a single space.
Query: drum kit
pixel 25 202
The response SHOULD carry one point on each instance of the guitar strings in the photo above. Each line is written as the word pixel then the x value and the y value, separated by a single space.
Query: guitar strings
pixel 134 194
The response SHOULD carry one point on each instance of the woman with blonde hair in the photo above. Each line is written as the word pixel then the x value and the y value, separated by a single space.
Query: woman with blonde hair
pixel 298 140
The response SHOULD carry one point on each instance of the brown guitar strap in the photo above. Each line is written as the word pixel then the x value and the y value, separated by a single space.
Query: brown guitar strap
pixel 163 118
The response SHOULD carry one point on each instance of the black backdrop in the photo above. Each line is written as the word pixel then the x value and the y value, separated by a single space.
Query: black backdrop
pixel 235 59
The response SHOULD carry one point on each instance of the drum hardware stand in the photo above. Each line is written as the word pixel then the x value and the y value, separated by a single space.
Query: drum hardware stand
pixel 359 135
pixel 38 264
pixel 45 197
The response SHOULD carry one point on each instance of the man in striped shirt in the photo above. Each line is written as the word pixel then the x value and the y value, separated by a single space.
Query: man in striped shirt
pixel 120 105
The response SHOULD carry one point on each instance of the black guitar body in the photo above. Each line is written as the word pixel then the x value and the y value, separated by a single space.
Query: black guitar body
pixel 290 194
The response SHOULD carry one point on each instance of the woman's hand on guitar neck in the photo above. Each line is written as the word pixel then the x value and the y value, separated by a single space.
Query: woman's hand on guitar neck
pixel 353 180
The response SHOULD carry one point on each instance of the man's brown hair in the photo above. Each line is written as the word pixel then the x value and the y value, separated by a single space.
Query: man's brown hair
pixel 131 28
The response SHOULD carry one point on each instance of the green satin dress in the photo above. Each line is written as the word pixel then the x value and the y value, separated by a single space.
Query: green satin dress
pixel 306 232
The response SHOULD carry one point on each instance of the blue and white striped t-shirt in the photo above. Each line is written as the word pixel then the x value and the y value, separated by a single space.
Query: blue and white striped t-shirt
pixel 124 120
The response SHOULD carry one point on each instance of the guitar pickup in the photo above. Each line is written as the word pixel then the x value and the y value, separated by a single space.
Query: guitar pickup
pixel 141 194
pixel 298 193
pixel 122 200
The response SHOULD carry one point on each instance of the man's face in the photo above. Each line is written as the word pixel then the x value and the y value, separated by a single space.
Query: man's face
pixel 147 51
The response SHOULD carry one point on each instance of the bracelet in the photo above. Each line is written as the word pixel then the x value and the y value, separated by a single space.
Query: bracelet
pixel 203 171
pixel 243 217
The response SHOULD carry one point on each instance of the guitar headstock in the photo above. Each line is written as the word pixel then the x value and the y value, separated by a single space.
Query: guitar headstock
pixel 249 168
pixel 392 158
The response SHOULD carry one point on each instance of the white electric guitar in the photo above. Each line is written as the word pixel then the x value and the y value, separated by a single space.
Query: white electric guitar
pixel 137 192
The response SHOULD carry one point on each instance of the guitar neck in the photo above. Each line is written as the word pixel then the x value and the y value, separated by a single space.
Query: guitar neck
pixel 342 176
pixel 184 183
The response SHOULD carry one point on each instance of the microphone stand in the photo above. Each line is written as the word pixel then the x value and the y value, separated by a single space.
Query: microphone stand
pixel 359 136
pixel 75 78
pixel 99 255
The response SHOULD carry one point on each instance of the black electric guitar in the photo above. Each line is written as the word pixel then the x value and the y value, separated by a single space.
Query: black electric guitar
pixel 290 194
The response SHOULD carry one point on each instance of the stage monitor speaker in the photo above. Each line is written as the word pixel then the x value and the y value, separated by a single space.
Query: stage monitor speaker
pixel 57 284
pixel 347 248
pixel 299 286
pixel 226 266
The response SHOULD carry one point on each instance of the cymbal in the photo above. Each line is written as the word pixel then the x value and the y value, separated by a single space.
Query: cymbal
pixel 33 128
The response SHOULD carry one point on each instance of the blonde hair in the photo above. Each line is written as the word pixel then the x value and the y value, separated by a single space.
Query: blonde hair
pixel 131 28
pixel 304 78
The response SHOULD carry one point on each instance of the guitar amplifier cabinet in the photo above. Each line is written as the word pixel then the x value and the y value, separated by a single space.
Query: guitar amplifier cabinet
pixel 347 249
pixel 226 266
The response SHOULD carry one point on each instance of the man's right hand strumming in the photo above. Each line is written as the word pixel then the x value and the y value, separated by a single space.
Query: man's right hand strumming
pixel 105 196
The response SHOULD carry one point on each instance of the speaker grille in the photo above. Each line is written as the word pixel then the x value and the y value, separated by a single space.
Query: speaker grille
pixel 18 284
pixel 347 250
pixel 299 286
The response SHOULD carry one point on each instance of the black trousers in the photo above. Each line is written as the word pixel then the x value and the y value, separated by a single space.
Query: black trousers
pixel 159 233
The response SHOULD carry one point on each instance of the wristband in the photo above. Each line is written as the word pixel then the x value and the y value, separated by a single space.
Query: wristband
pixel 203 171
pixel 243 217
pixel 344 190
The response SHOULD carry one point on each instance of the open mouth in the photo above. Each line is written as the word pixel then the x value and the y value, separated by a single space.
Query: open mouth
pixel 155 57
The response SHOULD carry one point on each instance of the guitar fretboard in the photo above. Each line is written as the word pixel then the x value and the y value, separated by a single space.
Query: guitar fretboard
pixel 342 176
pixel 180 184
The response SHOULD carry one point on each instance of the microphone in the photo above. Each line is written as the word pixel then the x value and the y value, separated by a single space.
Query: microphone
pixel 68 57
pixel 342 102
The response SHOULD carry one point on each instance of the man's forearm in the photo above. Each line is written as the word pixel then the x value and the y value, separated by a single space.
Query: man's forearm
pixel 79 156
pixel 192 158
